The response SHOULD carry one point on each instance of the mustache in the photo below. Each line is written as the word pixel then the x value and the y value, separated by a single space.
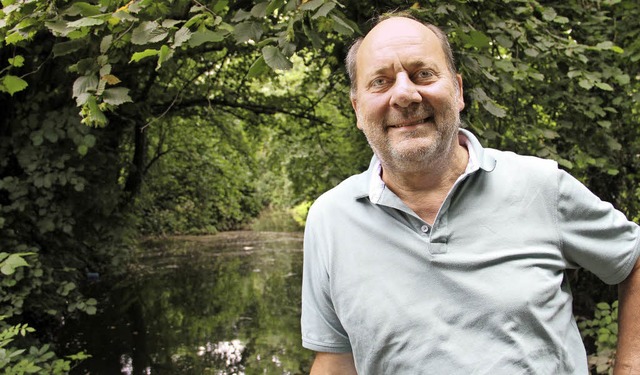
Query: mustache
pixel 409 114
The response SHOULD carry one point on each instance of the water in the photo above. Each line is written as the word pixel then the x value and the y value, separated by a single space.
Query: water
pixel 224 304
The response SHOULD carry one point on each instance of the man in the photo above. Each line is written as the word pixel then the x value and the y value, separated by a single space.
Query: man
pixel 444 257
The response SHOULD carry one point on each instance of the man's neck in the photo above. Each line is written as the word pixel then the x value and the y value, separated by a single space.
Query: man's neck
pixel 425 189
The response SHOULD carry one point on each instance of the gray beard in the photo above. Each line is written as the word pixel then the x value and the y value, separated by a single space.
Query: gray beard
pixel 433 156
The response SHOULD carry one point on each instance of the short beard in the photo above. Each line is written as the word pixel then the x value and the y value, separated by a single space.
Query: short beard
pixel 434 155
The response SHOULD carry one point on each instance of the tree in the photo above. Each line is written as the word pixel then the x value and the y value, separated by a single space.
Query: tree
pixel 84 84
pixel 99 96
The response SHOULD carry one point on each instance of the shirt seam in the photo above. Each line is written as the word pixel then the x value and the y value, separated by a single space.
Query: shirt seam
pixel 556 219
pixel 337 347
pixel 626 268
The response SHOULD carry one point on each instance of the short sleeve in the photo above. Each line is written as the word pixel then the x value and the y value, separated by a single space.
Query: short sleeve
pixel 594 234
pixel 321 327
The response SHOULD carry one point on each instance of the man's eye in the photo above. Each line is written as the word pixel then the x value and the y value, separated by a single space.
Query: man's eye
pixel 378 82
pixel 424 74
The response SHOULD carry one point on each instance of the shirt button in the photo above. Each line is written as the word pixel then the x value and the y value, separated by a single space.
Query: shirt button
pixel 425 228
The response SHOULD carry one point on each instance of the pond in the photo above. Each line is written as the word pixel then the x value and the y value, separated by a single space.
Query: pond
pixel 223 304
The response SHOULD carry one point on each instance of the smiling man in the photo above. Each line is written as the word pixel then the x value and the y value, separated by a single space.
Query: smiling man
pixel 445 257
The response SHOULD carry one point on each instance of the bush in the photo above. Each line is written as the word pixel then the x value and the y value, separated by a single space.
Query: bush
pixel 603 330
pixel 17 360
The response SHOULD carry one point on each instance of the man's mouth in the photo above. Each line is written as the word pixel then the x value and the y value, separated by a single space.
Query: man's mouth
pixel 412 123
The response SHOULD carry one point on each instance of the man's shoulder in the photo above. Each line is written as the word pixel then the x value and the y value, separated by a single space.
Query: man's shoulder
pixel 343 194
pixel 510 160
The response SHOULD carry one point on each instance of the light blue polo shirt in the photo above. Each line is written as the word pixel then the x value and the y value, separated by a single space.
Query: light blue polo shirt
pixel 481 291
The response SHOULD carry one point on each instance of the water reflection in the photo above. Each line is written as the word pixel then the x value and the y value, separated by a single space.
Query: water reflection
pixel 226 304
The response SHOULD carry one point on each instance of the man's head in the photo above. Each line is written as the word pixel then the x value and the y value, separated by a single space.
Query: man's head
pixel 350 60
pixel 406 94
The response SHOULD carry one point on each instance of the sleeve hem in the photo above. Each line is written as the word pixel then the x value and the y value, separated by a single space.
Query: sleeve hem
pixel 625 270
pixel 326 348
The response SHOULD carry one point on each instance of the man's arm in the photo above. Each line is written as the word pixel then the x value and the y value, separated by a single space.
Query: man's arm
pixel 333 364
pixel 628 353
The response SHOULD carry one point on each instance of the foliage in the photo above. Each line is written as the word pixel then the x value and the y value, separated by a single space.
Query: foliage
pixel 186 195
pixel 53 217
pixel 603 330
pixel 70 193
pixel 17 361
pixel 143 29
pixel 205 128
pixel 40 360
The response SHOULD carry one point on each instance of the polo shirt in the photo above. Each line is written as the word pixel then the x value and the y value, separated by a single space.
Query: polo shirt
pixel 481 291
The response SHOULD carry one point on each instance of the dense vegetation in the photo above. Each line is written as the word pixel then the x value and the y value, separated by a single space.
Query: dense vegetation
pixel 186 116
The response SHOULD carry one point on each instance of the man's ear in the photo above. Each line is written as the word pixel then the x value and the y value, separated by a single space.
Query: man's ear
pixel 354 104
pixel 460 93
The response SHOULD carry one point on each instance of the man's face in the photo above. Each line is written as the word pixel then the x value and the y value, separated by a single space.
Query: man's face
pixel 407 102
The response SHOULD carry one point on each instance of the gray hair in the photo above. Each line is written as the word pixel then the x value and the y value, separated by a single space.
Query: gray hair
pixel 352 55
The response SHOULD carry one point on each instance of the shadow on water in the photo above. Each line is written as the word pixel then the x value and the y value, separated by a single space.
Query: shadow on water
pixel 223 304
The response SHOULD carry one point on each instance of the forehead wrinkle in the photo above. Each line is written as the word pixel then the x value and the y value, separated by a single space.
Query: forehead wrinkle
pixel 398 66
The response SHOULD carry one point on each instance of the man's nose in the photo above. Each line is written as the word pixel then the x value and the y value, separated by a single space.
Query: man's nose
pixel 404 92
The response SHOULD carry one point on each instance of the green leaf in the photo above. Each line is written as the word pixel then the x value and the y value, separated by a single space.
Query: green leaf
pixel 605 45
pixel 504 41
pixel 169 23
pixel 258 68
pixel 565 163
pixel 488 103
pixel 617 49
pixel 58 27
pixel 68 47
pixel 116 96
pixel 312 5
pixel 182 35
pixel 165 54
pixel 84 9
pixel 13 84
pixel 83 149
pixel 17 61
pixel 259 10
pixel 93 116
pixel 14 38
pixel 220 6
pixel 205 36
pixel 275 59
pixel 273 5
pixel 623 79
pixel 85 84
pixel 585 84
pixel 603 306
pixel 604 86
pixel 315 39
pixel 478 39
pixel 241 15
pixel 324 10
pixel 86 21
pixel 148 32
pixel 341 25
pixel 89 140
pixel 549 14
pixel 106 43
pixel 37 138
pixel 613 144
pixel 141 55
pixel 9 265
pixel 246 31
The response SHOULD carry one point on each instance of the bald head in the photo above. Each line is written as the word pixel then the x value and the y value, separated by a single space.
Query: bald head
pixel 389 29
